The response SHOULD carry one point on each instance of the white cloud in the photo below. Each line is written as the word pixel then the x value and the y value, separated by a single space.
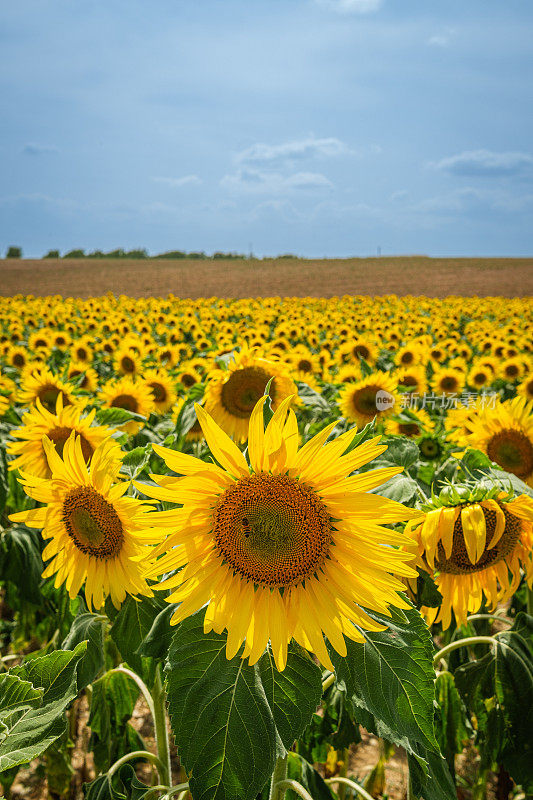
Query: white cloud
pixel 186 180
pixel 35 149
pixel 256 181
pixel 485 163
pixel 309 147
pixel 351 6
pixel 442 39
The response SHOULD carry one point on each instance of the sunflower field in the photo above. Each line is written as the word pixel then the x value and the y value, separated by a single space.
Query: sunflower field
pixel 240 539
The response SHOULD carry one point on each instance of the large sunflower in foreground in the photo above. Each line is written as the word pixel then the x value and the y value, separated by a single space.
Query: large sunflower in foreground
pixel 504 431
pixel 98 536
pixel 284 547
pixel 231 394
pixel 39 422
pixel 474 547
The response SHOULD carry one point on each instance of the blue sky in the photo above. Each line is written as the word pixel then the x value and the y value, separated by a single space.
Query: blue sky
pixel 317 127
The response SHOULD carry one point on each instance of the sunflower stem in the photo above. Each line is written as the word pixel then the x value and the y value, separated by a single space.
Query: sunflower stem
pixel 277 791
pixel 145 754
pixel 296 787
pixel 470 640
pixel 352 784
pixel 141 684
pixel 327 682
pixel 160 725
pixel 530 601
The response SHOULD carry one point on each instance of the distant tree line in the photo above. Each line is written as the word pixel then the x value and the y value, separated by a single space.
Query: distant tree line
pixel 16 252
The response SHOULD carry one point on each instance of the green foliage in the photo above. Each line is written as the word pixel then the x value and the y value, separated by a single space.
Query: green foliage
pixel 112 703
pixel 21 562
pixel 88 627
pixel 124 786
pixel 29 730
pixel 298 769
pixel 453 729
pixel 213 700
pixel 14 252
pixel 116 416
pixel 389 680
pixel 131 626
pixel 498 690
pixel 52 254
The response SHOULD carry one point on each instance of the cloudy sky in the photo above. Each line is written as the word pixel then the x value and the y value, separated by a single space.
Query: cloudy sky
pixel 317 127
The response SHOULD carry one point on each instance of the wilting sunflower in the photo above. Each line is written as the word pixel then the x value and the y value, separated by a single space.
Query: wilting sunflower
pixel 504 431
pixel 131 395
pixel 230 395
pixel 475 542
pixel 42 384
pixel 38 422
pixel 371 397
pixel 285 547
pixel 98 536
pixel 162 388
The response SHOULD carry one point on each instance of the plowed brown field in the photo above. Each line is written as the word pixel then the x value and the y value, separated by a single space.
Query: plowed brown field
pixel 433 277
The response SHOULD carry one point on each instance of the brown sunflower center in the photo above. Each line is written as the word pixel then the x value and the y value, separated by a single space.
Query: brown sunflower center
pixel 188 380
pixel 92 523
pixel 511 370
pixel 60 435
pixel 480 378
pixel 449 384
pixel 128 364
pixel 272 530
pixel 243 389
pixel 409 428
pixel 19 360
pixel 81 354
pixel 459 563
pixel 159 392
pixel 407 357
pixel 48 394
pixel 512 450
pixel 408 380
pixel 126 401
pixel 304 365
pixel 364 400
pixel 361 350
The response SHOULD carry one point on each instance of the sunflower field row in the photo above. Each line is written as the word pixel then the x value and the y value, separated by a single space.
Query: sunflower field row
pixel 274 527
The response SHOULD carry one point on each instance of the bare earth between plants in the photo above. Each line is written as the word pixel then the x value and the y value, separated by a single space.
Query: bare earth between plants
pixel 289 277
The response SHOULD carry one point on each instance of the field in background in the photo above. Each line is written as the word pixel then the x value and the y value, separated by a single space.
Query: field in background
pixel 433 277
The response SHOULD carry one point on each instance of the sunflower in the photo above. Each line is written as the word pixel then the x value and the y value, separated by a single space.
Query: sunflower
pixel 512 369
pixel 98 536
pixel 89 380
pixel 17 357
pixel 131 395
pixel 416 422
pixel 127 362
pixel 480 375
pixel 162 388
pixel 285 547
pixel 448 381
pixel 525 389
pixel 371 397
pixel 230 395
pixel 82 350
pixel 39 422
pixel 475 542
pixel 412 379
pixel 40 383
pixel 504 431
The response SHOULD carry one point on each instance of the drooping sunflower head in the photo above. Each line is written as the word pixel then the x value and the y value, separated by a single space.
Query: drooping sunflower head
pixel 57 427
pixel 98 536
pixel 285 546
pixel 504 431
pixel 231 394
pixel 374 396
pixel 475 538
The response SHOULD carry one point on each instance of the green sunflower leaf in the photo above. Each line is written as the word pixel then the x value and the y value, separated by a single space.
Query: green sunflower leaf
pixel 389 679
pixel 116 416
pixel 231 721
pixel 88 627
pixel 498 690
pixel 30 731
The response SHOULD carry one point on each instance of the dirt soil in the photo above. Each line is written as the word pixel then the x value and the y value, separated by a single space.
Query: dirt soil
pixel 417 275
